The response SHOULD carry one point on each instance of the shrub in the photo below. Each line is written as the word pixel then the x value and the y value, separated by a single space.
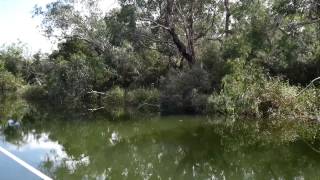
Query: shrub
pixel 113 102
pixel 117 99
pixel 180 90
pixel 9 82
pixel 35 93
pixel 114 98
pixel 144 99
pixel 214 64
pixel 247 91
pixel 69 81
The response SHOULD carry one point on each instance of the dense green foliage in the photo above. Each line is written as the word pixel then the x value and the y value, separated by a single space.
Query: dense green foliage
pixel 248 91
pixel 175 56
pixel 11 68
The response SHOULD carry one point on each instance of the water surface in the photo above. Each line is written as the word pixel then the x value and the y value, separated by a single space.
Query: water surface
pixel 151 147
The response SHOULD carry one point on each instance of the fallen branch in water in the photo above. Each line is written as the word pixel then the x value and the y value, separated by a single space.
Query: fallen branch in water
pixel 312 82
pixel 96 92
pixel 95 109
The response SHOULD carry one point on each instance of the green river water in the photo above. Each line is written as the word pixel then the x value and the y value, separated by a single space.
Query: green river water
pixel 148 147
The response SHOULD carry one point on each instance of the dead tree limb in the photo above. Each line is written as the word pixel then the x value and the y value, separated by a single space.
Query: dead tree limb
pixel 96 92
pixel 307 87
pixel 96 109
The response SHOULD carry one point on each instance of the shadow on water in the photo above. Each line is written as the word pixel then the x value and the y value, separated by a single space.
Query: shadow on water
pixel 175 147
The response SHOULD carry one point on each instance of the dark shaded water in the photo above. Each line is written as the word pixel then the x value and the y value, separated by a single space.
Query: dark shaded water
pixel 179 147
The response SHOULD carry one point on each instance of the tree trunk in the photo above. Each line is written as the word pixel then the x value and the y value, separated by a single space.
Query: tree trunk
pixel 182 48
pixel 187 51
pixel 190 35
pixel 228 15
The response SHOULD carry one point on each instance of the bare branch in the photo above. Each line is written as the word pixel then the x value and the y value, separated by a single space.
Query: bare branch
pixel 311 83
pixel 155 22
pixel 96 109
pixel 96 92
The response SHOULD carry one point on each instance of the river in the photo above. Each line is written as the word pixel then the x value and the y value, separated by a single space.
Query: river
pixel 149 147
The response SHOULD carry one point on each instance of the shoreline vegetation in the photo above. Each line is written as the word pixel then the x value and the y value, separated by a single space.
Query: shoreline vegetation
pixel 167 89
pixel 235 59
